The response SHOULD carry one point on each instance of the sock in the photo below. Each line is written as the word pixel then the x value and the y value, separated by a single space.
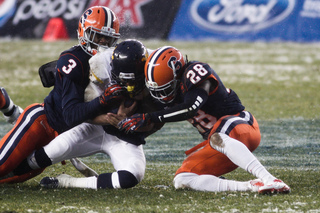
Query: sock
pixel 258 170
pixel 39 159
pixel 240 155
pixel 208 183
pixel 67 181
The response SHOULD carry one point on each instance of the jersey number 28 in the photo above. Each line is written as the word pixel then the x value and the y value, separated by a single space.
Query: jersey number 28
pixel 194 73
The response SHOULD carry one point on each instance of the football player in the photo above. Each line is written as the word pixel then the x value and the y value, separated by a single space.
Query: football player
pixel 64 107
pixel 125 150
pixel 194 92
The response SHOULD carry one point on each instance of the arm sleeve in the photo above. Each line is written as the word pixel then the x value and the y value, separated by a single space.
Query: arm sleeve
pixel 193 101
pixel 75 110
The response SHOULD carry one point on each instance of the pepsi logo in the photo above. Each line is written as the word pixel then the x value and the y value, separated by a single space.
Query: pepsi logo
pixel 239 16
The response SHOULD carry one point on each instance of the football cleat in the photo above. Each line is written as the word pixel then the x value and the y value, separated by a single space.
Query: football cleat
pixel 275 187
pixel 11 112
pixel 4 99
pixel 254 185
pixel 61 181
pixel 15 115
pixel 49 182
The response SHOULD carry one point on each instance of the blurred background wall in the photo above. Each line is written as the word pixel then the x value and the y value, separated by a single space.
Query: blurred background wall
pixel 217 20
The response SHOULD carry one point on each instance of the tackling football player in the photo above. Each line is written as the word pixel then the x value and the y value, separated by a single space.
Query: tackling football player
pixel 64 107
pixel 194 92
pixel 125 150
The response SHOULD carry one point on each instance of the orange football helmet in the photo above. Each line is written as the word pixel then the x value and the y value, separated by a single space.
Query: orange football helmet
pixel 162 70
pixel 98 28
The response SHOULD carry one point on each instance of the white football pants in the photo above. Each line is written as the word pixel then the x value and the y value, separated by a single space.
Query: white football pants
pixel 88 139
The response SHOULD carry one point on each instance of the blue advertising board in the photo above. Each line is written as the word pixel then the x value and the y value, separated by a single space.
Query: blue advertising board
pixel 247 20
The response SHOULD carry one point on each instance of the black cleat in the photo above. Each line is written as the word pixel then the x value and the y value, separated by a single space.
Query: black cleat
pixel 49 182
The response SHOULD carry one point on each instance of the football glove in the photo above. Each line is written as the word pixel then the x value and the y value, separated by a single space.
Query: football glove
pixel 134 123
pixel 111 93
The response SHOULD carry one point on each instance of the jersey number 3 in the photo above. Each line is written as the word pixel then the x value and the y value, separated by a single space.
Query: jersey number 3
pixel 72 64
pixel 197 70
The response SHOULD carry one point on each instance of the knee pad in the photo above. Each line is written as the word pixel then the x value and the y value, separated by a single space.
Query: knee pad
pixel 216 140
pixel 121 179
pixel 41 158
pixel 127 179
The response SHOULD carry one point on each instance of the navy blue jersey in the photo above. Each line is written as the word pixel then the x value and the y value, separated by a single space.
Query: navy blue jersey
pixel 65 106
pixel 194 104
pixel 221 101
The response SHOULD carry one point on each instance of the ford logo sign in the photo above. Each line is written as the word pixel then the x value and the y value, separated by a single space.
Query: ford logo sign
pixel 238 16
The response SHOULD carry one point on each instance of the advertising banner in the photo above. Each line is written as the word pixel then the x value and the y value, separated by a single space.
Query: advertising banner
pixel 138 18
pixel 226 20
pixel 29 18
pixel 247 20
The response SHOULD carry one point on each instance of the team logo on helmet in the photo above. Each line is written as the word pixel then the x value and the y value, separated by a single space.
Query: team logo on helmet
pixel 174 64
pixel 85 16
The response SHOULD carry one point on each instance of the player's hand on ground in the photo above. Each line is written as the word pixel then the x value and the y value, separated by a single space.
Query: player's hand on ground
pixel 134 123
pixel 112 92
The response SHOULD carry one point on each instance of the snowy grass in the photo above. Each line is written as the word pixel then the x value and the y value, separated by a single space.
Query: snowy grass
pixel 277 82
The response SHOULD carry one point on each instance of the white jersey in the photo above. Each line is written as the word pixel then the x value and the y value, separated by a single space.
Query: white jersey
pixel 100 74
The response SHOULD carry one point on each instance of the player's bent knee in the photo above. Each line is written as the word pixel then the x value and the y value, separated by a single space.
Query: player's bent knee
pixel 127 179
pixel 182 180
pixel 137 168
pixel 177 182
pixel 216 140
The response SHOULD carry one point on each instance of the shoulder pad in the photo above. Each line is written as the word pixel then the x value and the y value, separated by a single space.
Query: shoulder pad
pixel 100 68
pixel 74 64
pixel 195 73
